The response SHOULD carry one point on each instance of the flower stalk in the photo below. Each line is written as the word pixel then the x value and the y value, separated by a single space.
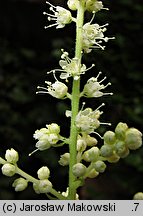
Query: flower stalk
pixel 75 101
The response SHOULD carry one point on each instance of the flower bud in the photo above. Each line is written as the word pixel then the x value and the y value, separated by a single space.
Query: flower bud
pixel 79 169
pixel 133 138
pixel 11 156
pixel 20 184
pixel 106 151
pixel 53 128
pixel 64 159
pixel 120 130
pixel 109 137
pixel 81 145
pixel 72 4
pixel 99 166
pixel 91 154
pixel 114 158
pixel 43 173
pixel 121 150
pixel 44 186
pixel 43 145
pixel 94 6
pixel 8 169
pixel 91 141
pixel 138 196
pixel 93 173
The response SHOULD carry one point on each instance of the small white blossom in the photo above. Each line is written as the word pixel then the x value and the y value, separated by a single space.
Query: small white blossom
pixel 79 169
pixel 93 36
pixel 20 184
pixel 88 120
pixel 60 16
pixel 93 87
pixel 53 128
pixel 43 173
pixel 94 6
pixel 70 67
pixel 8 169
pixel 11 156
pixel 64 159
pixel 72 4
pixel 58 89
pixel 47 136
pixel 44 186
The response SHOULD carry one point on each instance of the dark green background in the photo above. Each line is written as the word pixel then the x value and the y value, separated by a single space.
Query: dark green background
pixel 27 52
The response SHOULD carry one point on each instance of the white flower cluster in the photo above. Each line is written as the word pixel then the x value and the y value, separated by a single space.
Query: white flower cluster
pixel 47 137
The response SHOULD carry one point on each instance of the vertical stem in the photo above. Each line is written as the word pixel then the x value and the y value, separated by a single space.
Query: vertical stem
pixel 75 101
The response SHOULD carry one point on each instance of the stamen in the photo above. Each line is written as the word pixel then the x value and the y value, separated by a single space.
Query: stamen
pixel 33 152
pixel 50 4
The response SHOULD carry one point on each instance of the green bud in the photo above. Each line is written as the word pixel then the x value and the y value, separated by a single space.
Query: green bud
pixel 99 166
pixel 91 154
pixel 11 156
pixel 8 169
pixel 121 150
pixel 138 196
pixel 109 137
pixel 106 151
pixel 43 173
pixel 20 184
pixel 79 170
pixel 120 130
pixel 64 159
pixel 133 138
pixel 44 186
pixel 93 173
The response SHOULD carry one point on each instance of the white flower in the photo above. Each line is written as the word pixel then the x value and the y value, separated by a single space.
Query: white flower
pixel 40 133
pixel 57 89
pixel 44 186
pixel 93 36
pixel 93 87
pixel 20 184
pixel 72 4
pixel 8 169
pixel 47 136
pixel 43 173
pixel 88 120
pixel 70 68
pixel 94 6
pixel 64 159
pixel 11 156
pixel 60 16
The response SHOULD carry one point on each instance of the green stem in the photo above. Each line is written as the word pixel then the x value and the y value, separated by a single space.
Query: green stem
pixel 75 101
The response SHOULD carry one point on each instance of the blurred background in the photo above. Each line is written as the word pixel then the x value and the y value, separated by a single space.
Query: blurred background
pixel 27 52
